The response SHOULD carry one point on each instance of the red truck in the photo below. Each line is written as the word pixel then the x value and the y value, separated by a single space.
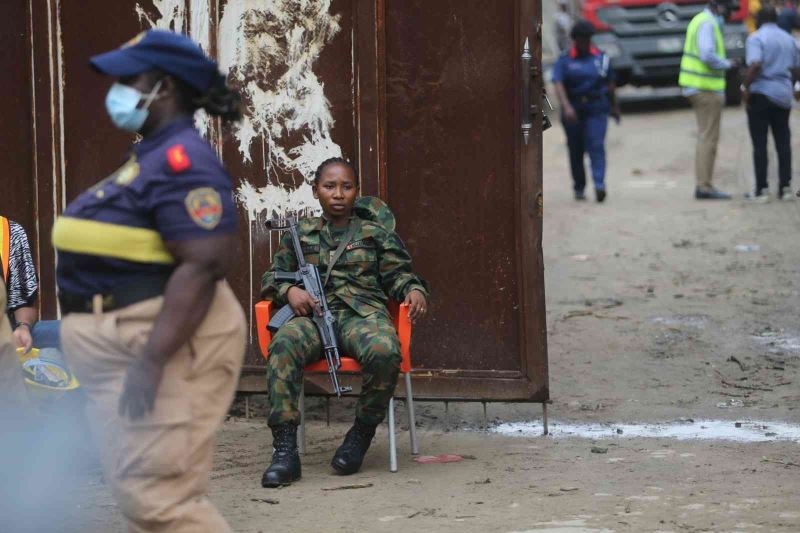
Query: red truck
pixel 644 39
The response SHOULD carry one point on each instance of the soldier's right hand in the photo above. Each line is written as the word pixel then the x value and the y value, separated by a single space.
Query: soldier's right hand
pixel 302 303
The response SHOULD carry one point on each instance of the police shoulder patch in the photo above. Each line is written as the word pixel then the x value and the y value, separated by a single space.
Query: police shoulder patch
pixel 204 205
pixel 177 159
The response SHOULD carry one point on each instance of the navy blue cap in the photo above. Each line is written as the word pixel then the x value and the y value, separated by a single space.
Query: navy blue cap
pixel 582 28
pixel 171 52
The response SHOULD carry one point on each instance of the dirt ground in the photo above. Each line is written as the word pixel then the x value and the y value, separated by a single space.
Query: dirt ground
pixel 660 309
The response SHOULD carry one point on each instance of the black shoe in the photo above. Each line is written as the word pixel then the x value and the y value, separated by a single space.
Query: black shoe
pixel 601 195
pixel 285 466
pixel 348 458
pixel 580 196
pixel 710 194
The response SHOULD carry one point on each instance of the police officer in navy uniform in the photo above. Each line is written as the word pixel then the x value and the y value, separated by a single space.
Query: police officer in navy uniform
pixel 151 327
pixel 584 83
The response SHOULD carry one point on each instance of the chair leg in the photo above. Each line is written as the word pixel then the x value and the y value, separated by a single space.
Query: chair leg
pixel 545 428
pixel 301 445
pixel 392 440
pixel 412 422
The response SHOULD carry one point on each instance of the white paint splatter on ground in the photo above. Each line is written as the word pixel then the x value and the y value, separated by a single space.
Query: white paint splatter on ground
pixel 779 342
pixel 566 526
pixel 750 431
pixel 270 49
pixel 691 321
pixel 651 184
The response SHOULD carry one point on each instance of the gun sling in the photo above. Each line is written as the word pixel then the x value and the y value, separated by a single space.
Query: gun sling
pixel 355 224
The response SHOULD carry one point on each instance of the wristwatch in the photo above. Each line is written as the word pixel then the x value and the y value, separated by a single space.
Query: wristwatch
pixel 23 324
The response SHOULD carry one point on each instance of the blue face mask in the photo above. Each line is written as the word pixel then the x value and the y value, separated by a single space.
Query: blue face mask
pixel 122 102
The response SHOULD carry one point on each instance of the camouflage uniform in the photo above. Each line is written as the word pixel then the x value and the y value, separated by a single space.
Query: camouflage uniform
pixel 374 267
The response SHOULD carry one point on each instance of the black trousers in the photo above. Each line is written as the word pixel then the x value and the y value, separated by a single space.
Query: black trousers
pixel 763 115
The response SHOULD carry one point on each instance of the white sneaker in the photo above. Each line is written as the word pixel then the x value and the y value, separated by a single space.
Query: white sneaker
pixel 761 198
pixel 786 194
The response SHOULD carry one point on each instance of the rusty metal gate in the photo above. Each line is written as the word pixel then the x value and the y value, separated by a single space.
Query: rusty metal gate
pixel 428 98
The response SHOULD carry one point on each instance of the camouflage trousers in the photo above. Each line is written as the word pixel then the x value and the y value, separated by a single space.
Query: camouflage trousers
pixel 371 340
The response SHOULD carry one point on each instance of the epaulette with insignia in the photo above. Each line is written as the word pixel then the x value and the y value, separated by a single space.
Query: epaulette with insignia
pixel 177 159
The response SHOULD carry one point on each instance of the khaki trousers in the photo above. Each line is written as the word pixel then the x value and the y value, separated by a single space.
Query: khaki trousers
pixel 158 466
pixel 708 111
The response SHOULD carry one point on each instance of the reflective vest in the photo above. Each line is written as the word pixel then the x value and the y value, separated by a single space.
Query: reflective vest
pixel 694 73
pixel 5 245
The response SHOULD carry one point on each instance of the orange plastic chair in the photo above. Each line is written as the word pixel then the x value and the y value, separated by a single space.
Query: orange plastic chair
pixel 399 314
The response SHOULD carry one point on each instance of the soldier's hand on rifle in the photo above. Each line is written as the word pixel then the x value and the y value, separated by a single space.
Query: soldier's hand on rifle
pixel 302 303
pixel 417 305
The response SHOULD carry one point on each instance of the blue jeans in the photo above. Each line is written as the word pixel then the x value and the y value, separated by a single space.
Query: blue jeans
pixel 587 134
pixel 47 334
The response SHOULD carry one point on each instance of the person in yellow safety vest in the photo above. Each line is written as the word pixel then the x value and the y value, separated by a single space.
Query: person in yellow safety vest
pixel 22 285
pixel 702 78
pixel 12 391
pixel 13 403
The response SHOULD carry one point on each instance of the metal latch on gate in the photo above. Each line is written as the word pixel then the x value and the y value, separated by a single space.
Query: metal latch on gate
pixel 529 110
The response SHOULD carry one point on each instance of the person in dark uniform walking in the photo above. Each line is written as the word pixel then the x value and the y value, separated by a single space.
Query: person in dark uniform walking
pixel 584 83
pixel 151 328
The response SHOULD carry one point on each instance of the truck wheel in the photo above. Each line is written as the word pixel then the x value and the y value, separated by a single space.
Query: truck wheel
pixel 733 92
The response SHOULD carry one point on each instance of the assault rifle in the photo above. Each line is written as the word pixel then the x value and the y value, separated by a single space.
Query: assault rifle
pixel 308 275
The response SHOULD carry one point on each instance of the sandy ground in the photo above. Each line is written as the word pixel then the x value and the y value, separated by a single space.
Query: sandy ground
pixel 654 315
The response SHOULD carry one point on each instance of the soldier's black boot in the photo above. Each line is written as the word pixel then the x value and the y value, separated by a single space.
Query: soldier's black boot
pixel 348 458
pixel 285 466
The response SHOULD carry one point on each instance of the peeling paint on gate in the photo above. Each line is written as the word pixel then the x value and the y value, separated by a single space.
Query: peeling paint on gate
pixel 173 13
pixel 258 40
pixel 172 16
pixel 268 49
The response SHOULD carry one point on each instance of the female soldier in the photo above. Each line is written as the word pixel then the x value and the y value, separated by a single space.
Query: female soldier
pixel 584 85
pixel 374 266
pixel 152 330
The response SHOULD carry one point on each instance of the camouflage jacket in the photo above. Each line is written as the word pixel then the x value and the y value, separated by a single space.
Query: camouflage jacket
pixel 374 267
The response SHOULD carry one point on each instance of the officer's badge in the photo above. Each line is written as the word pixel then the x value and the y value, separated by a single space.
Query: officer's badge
pixel 127 173
pixel 205 207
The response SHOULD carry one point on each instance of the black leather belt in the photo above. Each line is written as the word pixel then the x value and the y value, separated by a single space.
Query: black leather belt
pixel 585 99
pixel 138 291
